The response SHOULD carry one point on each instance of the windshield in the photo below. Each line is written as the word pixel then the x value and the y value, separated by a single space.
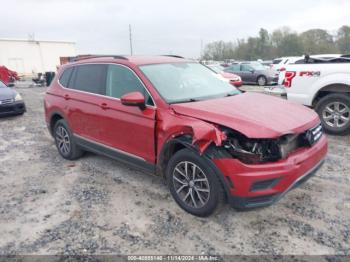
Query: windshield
pixel 187 82
pixel 2 84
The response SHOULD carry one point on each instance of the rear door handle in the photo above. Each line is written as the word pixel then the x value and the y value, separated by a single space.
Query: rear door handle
pixel 104 106
pixel 66 96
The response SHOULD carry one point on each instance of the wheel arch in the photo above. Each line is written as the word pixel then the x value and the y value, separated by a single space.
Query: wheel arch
pixel 185 141
pixel 170 148
pixel 55 116
pixel 329 89
pixel 261 75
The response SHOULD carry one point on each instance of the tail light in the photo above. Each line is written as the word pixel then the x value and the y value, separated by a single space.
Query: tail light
pixel 288 78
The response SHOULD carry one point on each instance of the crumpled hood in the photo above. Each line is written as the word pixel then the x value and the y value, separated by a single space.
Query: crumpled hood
pixel 252 114
pixel 7 93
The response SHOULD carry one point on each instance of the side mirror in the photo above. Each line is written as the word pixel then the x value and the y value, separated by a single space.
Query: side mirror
pixel 251 71
pixel 133 99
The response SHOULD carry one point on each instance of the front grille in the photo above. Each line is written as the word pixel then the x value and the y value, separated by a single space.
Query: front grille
pixel 311 136
pixel 7 109
pixel 6 101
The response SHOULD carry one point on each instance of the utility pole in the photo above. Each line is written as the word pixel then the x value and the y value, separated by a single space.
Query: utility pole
pixel 201 54
pixel 130 38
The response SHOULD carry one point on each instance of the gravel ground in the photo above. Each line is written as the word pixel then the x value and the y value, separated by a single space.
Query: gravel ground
pixel 99 206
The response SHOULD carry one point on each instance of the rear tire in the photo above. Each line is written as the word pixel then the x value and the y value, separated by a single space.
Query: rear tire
pixel 261 81
pixel 194 184
pixel 65 143
pixel 334 112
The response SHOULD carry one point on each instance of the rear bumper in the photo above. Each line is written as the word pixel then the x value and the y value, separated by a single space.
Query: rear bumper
pixel 12 109
pixel 272 80
pixel 261 185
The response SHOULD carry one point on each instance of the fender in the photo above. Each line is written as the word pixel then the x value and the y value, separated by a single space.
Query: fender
pixel 331 79
pixel 171 125
pixel 185 141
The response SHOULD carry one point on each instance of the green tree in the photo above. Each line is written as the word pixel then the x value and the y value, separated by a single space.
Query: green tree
pixel 343 39
pixel 317 41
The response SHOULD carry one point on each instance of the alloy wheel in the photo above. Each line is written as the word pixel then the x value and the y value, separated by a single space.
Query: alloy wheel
pixel 63 140
pixel 191 184
pixel 261 81
pixel 336 114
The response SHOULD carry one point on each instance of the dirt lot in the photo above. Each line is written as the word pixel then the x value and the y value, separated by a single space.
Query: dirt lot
pixel 98 205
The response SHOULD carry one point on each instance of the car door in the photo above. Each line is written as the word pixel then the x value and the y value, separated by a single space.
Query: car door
pixel 247 73
pixel 129 129
pixel 85 97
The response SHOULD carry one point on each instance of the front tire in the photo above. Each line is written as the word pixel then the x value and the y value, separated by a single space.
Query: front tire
pixel 334 111
pixel 65 143
pixel 194 184
pixel 261 81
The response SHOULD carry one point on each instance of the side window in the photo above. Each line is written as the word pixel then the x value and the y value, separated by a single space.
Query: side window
pixel 246 67
pixel 64 79
pixel 235 67
pixel 90 78
pixel 121 80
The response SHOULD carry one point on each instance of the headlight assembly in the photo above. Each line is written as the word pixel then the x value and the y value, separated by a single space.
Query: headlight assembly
pixel 254 151
pixel 18 97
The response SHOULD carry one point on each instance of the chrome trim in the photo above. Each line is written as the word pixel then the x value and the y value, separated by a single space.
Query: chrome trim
pixel 110 148
pixel 118 99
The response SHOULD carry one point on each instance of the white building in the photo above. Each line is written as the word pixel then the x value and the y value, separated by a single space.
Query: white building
pixel 29 57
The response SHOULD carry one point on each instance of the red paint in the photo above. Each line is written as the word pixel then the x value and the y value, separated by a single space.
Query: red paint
pixel 234 79
pixel 144 132
pixel 252 114
pixel 288 170
pixel 288 78
pixel 133 98
pixel 7 76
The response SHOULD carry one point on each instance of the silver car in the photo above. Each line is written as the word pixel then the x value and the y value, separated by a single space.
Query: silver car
pixel 254 73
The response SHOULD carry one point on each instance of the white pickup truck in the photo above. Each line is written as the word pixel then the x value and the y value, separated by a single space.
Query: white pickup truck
pixel 323 84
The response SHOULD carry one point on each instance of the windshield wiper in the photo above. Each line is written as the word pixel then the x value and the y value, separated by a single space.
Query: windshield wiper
pixel 185 101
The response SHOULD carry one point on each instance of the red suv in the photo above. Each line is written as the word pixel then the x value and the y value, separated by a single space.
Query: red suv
pixel 175 118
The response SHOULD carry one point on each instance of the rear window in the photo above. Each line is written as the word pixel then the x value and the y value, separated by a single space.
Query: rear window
pixel 90 78
pixel 64 79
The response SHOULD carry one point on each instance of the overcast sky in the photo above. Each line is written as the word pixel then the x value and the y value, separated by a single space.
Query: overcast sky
pixel 162 26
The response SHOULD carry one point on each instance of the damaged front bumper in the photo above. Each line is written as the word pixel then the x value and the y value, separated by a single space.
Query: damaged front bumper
pixel 257 185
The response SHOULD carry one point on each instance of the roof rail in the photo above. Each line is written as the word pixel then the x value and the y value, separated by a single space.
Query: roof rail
pixel 83 57
pixel 176 56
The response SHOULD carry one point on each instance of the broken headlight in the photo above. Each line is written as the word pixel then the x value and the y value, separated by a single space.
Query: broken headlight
pixel 253 151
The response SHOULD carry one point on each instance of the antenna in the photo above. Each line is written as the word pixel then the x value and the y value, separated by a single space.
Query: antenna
pixel 130 39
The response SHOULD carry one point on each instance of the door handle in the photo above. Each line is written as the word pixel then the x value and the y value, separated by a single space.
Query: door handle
pixel 66 96
pixel 104 106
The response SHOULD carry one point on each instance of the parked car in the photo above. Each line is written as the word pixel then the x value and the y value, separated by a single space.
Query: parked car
pixel 233 79
pixel 253 73
pixel 173 117
pixel 323 83
pixel 11 102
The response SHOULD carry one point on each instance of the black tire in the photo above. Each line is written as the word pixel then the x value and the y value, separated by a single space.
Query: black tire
pixel 261 81
pixel 207 203
pixel 70 152
pixel 329 101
